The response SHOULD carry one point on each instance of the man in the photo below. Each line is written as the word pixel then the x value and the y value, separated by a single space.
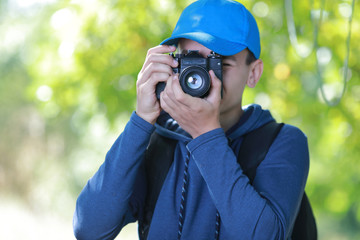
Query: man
pixel 205 193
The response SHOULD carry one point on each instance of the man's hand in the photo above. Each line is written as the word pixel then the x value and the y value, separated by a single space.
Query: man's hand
pixel 194 115
pixel 157 68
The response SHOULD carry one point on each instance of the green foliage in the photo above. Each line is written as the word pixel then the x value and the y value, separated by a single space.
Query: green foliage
pixel 67 86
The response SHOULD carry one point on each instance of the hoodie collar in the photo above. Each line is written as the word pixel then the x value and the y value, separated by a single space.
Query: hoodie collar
pixel 254 117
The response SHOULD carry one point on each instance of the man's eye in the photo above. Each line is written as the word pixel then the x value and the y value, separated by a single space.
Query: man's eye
pixel 226 64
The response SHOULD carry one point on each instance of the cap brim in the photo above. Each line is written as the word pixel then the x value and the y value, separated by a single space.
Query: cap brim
pixel 218 45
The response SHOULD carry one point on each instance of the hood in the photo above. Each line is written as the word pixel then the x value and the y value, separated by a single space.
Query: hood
pixel 254 117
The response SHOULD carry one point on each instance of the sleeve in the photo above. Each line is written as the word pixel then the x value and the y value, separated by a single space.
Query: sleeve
pixel 103 207
pixel 268 208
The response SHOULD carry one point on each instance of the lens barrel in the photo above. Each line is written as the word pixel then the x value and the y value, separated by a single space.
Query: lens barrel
pixel 195 81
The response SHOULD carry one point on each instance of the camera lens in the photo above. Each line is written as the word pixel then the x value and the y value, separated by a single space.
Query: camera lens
pixel 195 81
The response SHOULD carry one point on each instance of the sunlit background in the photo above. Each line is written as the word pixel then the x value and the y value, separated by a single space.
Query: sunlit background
pixel 67 88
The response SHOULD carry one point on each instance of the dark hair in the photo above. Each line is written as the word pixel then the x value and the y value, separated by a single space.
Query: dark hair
pixel 250 58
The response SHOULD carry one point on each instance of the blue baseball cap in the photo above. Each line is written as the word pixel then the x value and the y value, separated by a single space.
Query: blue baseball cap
pixel 224 26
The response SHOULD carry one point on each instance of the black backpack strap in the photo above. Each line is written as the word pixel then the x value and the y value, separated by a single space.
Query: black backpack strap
pixel 305 224
pixel 158 158
pixel 253 150
pixel 255 146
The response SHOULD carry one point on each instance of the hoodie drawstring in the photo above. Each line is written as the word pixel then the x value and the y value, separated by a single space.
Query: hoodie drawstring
pixel 183 195
pixel 217 225
pixel 183 202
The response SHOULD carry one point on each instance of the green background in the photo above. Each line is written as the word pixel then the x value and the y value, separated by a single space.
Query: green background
pixel 67 88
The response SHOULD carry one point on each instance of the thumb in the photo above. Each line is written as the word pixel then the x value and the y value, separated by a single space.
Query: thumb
pixel 215 91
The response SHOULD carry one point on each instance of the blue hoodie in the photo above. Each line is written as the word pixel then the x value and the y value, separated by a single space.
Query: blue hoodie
pixel 115 195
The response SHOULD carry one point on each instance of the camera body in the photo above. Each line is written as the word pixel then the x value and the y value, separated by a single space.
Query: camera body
pixel 193 72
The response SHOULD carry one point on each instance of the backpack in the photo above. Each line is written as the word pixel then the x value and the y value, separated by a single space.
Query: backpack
pixel 159 157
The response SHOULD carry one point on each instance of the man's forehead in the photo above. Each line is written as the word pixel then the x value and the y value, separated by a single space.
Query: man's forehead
pixel 232 57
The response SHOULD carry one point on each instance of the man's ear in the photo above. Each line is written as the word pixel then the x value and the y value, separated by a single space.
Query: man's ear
pixel 255 72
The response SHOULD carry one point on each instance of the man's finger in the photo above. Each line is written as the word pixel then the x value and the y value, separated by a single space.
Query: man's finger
pixel 179 94
pixel 154 68
pixel 215 91
pixel 161 49
pixel 166 97
pixel 156 54
pixel 160 58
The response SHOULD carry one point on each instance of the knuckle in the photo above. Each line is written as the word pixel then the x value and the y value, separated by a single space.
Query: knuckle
pixel 149 51
pixel 139 82
pixel 151 67
pixel 139 77
pixel 151 57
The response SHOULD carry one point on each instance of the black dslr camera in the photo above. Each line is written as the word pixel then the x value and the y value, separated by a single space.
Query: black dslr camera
pixel 193 72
